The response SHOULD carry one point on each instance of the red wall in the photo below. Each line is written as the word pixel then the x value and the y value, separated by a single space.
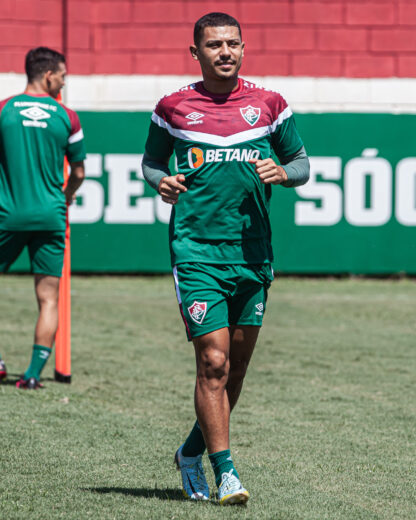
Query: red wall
pixel 353 38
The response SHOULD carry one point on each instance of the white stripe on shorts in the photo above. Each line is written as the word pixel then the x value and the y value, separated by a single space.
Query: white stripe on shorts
pixel 175 277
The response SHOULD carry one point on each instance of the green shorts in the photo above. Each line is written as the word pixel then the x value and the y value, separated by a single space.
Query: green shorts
pixel 46 250
pixel 212 296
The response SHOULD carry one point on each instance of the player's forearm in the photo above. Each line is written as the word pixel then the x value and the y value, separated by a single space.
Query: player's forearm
pixel 154 171
pixel 74 180
pixel 297 169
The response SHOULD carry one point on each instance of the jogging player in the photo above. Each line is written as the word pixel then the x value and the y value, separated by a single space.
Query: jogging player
pixel 222 130
pixel 36 132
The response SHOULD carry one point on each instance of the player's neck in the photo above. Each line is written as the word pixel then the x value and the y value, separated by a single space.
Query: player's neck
pixel 36 88
pixel 215 86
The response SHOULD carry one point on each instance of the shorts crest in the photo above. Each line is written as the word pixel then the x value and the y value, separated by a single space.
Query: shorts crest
pixel 197 311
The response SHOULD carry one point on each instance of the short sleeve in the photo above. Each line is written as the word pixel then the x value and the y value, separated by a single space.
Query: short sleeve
pixel 75 150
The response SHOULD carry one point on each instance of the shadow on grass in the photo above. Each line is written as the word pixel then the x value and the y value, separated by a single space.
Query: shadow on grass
pixel 161 494
pixel 12 379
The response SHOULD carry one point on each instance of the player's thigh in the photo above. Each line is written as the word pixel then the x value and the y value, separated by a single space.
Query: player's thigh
pixel 47 289
pixel 248 304
pixel 46 251
pixel 202 292
pixel 243 339
pixel 12 244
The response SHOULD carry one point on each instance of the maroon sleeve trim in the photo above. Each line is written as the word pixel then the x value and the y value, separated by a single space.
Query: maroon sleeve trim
pixel 4 103
pixel 74 119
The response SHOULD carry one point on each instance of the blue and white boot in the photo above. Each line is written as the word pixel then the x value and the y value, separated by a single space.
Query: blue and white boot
pixel 231 491
pixel 194 483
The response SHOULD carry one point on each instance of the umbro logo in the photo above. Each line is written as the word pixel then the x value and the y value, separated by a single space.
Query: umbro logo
pixel 34 116
pixel 260 309
pixel 195 118
pixel 35 113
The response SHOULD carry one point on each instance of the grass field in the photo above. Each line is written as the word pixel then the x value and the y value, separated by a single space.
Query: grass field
pixel 325 427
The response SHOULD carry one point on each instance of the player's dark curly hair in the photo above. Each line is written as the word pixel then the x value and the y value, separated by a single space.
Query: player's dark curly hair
pixel 213 20
pixel 40 60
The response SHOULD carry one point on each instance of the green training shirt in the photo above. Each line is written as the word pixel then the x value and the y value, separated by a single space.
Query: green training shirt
pixel 224 215
pixel 36 132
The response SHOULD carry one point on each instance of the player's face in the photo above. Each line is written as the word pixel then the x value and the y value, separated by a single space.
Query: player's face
pixel 220 52
pixel 55 80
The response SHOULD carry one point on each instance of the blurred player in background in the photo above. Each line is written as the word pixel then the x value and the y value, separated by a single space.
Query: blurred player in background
pixel 223 130
pixel 36 132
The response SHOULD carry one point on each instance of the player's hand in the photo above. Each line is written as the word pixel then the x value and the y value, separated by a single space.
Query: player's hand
pixel 69 198
pixel 171 187
pixel 268 171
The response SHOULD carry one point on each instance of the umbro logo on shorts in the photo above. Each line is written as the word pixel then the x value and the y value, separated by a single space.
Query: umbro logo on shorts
pixel 260 309
pixel 197 311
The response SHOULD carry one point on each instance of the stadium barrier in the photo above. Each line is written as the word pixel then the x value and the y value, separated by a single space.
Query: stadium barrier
pixel 356 215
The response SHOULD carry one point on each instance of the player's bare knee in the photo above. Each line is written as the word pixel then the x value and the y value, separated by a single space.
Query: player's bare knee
pixel 213 364
pixel 48 301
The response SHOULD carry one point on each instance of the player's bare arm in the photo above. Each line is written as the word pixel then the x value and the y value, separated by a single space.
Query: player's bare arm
pixel 268 171
pixel 75 180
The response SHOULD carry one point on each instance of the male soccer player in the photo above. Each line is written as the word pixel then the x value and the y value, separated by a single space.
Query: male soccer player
pixel 222 130
pixel 36 132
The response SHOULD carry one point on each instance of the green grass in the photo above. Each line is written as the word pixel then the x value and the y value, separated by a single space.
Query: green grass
pixel 325 427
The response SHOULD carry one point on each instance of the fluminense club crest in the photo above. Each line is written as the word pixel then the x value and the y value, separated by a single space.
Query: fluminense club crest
pixel 197 311
pixel 251 114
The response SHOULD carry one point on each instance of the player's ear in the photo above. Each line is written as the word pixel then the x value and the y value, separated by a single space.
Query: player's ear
pixel 242 48
pixel 194 52
pixel 47 77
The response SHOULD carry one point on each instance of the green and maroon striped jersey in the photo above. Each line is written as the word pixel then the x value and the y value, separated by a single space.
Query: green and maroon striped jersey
pixel 36 132
pixel 224 215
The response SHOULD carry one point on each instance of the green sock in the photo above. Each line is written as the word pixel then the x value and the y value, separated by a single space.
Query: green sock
pixel 194 444
pixel 222 462
pixel 40 355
